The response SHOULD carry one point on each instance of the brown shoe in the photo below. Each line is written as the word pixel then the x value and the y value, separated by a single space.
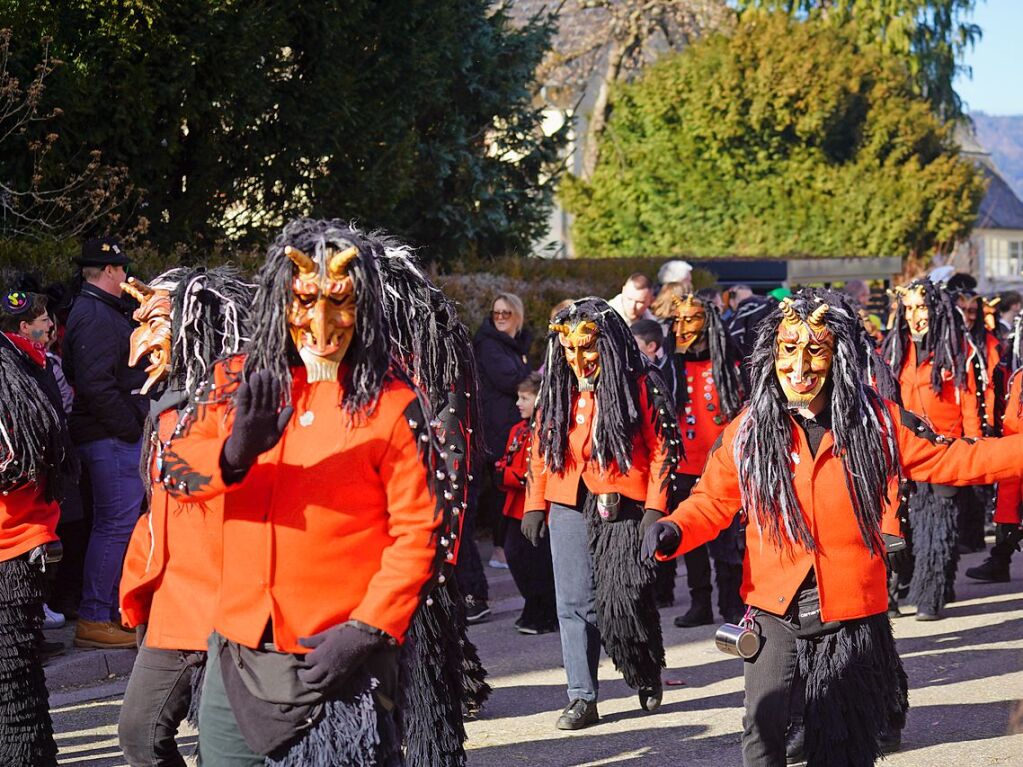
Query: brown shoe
pixel 103 635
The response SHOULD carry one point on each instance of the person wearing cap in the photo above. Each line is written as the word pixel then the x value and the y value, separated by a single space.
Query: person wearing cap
pixel 106 426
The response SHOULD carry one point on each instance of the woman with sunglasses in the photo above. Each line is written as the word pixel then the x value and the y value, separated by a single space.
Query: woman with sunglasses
pixel 501 345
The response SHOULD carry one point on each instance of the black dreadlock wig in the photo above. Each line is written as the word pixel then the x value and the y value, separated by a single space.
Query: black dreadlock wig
pixel 878 374
pixel 617 414
pixel 862 428
pixel 209 321
pixel 270 347
pixel 35 446
pixel 724 361
pixel 945 337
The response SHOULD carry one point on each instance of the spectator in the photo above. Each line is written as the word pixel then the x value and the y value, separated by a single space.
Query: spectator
pixel 106 426
pixel 1008 307
pixel 676 271
pixel 633 303
pixel 530 565
pixel 649 336
pixel 748 309
pixel 858 291
pixel 501 345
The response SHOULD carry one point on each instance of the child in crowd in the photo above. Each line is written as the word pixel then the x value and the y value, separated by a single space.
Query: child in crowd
pixel 530 566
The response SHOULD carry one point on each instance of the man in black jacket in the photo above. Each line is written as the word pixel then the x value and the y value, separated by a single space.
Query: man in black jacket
pixel 106 426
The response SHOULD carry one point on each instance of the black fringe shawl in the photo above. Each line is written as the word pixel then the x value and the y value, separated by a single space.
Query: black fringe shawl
pixel 856 689
pixel 35 446
pixel 724 363
pixel 862 428
pixel 946 337
pixel 625 602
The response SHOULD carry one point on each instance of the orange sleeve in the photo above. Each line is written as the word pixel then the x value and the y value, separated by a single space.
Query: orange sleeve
pixel 657 484
pixel 395 591
pixel 536 480
pixel 715 499
pixel 926 458
pixel 134 601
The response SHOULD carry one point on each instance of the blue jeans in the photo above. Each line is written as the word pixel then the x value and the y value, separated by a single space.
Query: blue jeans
pixel 117 494
pixel 574 593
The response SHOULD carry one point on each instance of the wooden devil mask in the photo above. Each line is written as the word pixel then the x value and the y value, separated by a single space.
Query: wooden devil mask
pixel 690 321
pixel 321 315
pixel 153 335
pixel 804 350
pixel 918 314
pixel 579 342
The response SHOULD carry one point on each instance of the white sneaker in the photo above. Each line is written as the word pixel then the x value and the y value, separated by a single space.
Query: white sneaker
pixel 51 619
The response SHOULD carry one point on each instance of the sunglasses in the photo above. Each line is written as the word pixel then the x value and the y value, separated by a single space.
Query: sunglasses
pixel 501 314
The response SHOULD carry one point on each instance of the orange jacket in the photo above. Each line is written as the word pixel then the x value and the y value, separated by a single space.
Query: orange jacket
pixel 1010 491
pixel 335 522
pixel 643 482
pixel 953 413
pixel 852 583
pixel 171 570
pixel 513 468
pixel 27 520
pixel 700 420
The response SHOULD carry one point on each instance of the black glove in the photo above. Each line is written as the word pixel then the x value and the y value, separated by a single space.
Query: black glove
pixel 534 526
pixel 662 538
pixel 649 517
pixel 258 425
pixel 336 653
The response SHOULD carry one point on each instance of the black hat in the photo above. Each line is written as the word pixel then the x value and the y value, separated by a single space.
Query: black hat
pixel 100 251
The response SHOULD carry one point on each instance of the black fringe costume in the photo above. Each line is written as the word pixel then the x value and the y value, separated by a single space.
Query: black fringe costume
pixel 627 617
pixel 405 328
pixel 856 688
pixel 933 510
pixel 35 448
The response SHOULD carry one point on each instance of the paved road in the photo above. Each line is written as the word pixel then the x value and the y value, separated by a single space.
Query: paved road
pixel 966 690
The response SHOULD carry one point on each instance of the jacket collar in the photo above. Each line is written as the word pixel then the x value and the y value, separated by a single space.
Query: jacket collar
pixel 101 295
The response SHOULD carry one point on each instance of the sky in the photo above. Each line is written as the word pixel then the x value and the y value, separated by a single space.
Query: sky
pixel 997 83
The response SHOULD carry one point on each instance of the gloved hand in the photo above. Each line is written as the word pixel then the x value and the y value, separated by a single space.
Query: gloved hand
pixel 662 538
pixel 534 526
pixel 257 424
pixel 649 517
pixel 336 653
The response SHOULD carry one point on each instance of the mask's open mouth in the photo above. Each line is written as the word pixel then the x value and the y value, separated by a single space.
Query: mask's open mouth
pixel 802 385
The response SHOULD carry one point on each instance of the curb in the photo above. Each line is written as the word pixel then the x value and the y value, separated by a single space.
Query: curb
pixel 86 667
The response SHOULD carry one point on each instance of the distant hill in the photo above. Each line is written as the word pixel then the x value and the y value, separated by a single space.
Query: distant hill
pixel 1002 136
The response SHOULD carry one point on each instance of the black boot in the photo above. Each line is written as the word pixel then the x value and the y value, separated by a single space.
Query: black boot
pixel 698 614
pixel 995 569
pixel 650 697
pixel 795 753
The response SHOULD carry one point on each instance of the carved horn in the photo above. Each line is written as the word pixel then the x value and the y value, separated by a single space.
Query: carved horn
pixel 788 311
pixel 337 267
pixel 137 289
pixel 559 328
pixel 817 315
pixel 306 266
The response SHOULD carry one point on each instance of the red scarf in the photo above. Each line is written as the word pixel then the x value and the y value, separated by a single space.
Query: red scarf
pixel 35 352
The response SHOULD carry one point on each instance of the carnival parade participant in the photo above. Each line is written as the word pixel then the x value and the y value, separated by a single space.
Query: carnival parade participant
pixel 188 319
pixel 37 463
pixel 337 513
pixel 707 393
pixel 927 349
pixel 605 445
pixel 530 566
pixel 1009 501
pixel 814 462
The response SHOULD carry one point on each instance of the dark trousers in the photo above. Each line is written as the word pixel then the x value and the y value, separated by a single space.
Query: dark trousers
pixel 576 600
pixel 220 741
pixel 469 569
pixel 156 702
pixel 533 572
pixel 772 687
pixel 698 575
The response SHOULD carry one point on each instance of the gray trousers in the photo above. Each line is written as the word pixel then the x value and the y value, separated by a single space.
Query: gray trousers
pixel 574 593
